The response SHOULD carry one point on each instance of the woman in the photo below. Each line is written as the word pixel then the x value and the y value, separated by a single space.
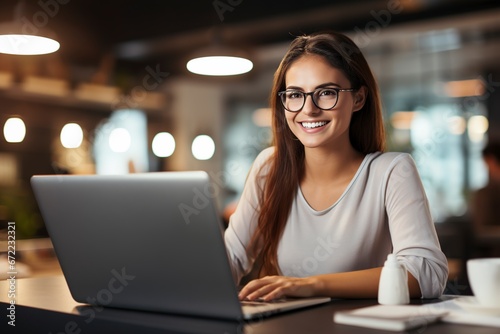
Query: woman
pixel 323 207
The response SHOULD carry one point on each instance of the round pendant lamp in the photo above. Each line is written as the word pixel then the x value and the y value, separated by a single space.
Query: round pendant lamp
pixel 27 35
pixel 219 59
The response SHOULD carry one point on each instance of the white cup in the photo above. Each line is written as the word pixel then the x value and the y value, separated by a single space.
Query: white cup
pixel 484 279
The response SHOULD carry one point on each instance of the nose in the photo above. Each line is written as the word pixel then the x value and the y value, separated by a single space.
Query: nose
pixel 309 107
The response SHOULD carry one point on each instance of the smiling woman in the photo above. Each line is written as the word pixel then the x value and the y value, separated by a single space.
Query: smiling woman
pixel 323 207
pixel 324 117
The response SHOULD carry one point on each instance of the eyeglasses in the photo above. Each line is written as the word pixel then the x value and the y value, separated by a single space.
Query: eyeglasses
pixel 323 98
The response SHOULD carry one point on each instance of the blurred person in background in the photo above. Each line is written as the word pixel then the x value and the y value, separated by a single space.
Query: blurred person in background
pixel 485 206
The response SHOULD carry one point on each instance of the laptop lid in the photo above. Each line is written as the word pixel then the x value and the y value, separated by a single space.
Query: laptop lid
pixel 151 241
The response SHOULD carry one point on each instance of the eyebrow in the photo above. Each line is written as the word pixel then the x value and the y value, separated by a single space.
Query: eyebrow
pixel 323 85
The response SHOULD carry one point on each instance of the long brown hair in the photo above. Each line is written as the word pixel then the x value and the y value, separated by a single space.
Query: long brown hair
pixel 286 165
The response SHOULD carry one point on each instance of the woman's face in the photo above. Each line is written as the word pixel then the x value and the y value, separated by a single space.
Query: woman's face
pixel 313 126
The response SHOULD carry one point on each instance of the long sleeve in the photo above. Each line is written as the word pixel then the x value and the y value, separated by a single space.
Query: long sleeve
pixel 413 235
pixel 243 222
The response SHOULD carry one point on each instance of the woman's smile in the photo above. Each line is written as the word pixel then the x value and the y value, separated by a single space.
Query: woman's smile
pixel 314 125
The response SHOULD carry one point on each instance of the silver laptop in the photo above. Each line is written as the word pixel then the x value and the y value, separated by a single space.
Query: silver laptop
pixel 151 241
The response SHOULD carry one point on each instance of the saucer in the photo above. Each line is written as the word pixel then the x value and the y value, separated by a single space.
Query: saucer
pixel 470 303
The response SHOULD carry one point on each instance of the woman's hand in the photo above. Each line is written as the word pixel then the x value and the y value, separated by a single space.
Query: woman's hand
pixel 274 287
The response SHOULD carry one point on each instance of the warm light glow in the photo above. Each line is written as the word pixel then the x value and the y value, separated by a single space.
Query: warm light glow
pixel 46 86
pixel 71 135
pixel 119 140
pixel 163 144
pixel 456 125
pixel 18 44
pixel 6 79
pixel 477 127
pixel 262 117
pixel 14 130
pixel 402 119
pixel 203 147
pixel 219 65
pixel 464 88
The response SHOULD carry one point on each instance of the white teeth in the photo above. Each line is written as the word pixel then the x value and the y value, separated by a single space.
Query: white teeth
pixel 311 125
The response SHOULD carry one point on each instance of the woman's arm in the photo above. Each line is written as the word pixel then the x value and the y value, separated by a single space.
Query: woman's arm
pixel 243 222
pixel 414 238
pixel 355 284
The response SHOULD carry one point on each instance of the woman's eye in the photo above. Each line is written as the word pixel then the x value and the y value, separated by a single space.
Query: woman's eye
pixel 327 92
pixel 294 95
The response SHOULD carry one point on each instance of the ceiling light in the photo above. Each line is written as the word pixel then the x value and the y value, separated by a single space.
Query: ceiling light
pixel 163 144
pixel 219 65
pixel 71 135
pixel 21 37
pixel 12 41
pixel 203 147
pixel 14 130
pixel 219 60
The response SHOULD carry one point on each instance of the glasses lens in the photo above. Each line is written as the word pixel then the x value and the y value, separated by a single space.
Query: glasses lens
pixel 292 100
pixel 325 98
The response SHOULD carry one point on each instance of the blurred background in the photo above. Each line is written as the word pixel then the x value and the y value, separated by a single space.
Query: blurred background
pixel 118 98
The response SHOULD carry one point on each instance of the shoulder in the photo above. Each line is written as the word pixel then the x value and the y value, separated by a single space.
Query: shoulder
pixel 261 163
pixel 383 163
pixel 265 154
pixel 264 158
pixel 390 159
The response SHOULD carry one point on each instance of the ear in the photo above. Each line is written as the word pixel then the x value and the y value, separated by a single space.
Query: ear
pixel 359 98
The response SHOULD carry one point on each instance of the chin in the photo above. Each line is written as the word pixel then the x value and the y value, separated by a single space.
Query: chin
pixel 308 144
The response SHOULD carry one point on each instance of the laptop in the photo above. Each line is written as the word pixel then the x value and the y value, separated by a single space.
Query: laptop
pixel 151 241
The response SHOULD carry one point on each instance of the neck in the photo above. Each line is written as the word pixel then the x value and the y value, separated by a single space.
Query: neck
pixel 323 165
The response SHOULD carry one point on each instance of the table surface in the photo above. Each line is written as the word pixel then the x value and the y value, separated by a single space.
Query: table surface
pixel 45 305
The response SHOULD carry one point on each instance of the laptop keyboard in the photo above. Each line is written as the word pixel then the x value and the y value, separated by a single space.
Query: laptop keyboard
pixel 259 302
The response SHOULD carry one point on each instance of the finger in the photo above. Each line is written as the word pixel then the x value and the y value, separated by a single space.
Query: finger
pixel 253 286
pixel 277 292
pixel 272 290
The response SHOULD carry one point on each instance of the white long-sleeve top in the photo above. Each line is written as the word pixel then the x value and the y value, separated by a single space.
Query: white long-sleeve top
pixel 383 210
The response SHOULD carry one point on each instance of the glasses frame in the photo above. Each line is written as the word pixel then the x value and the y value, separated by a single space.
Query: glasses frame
pixel 282 93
